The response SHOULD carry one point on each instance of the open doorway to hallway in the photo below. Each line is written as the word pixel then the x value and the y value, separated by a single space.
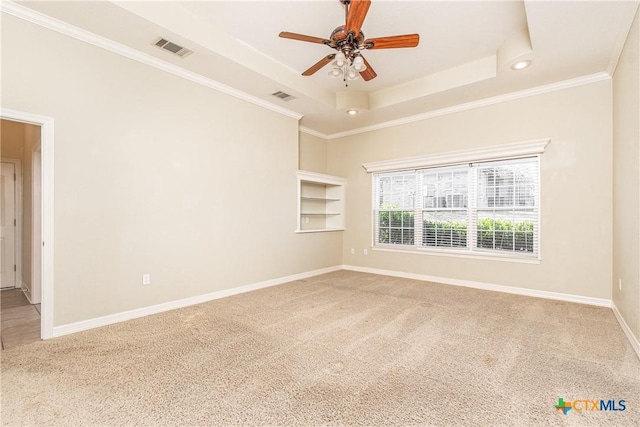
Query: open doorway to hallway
pixel 20 239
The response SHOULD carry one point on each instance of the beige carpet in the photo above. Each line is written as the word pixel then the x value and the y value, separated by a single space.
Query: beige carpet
pixel 339 349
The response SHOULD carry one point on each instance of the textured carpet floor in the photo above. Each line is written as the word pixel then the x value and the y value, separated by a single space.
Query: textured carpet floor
pixel 343 348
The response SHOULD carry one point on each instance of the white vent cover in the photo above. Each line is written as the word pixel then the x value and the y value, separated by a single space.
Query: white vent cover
pixel 283 96
pixel 173 48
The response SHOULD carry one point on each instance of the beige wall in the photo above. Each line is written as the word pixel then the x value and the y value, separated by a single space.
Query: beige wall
pixel 626 182
pixel 576 182
pixel 156 174
pixel 313 153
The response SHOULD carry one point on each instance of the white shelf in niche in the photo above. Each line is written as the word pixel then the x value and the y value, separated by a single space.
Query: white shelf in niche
pixel 320 202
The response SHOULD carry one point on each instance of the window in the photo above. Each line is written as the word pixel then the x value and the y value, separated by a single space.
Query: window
pixel 483 208
pixel 396 222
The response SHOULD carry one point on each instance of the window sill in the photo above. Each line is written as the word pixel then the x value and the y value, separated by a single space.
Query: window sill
pixel 319 230
pixel 462 254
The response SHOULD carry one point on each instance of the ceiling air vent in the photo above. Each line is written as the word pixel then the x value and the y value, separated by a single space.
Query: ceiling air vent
pixel 283 96
pixel 173 48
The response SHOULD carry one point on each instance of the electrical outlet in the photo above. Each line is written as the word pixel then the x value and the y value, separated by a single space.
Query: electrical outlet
pixel 619 284
pixel 146 279
pixel 366 251
pixel 353 251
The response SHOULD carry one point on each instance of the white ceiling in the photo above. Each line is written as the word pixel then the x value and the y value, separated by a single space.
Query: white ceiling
pixel 463 56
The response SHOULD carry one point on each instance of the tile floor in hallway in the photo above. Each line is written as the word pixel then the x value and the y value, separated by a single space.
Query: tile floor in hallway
pixel 19 320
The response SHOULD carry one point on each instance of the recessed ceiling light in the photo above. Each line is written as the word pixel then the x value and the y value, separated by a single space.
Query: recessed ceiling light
pixel 352 112
pixel 521 65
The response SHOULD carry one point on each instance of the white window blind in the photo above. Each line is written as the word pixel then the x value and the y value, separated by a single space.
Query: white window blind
pixel 485 208
pixel 395 208
pixel 444 206
pixel 506 217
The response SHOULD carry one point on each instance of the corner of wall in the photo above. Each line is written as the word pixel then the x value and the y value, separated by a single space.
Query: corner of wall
pixel 625 280
pixel 312 152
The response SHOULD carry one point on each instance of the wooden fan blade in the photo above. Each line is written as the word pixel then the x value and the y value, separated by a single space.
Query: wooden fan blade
pixel 303 38
pixel 357 12
pixel 368 74
pixel 392 42
pixel 315 67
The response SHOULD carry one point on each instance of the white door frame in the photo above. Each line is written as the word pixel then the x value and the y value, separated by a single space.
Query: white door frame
pixel 46 186
pixel 17 165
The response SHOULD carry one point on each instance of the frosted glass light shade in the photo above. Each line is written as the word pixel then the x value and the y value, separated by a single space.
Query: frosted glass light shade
pixel 358 63
pixel 335 72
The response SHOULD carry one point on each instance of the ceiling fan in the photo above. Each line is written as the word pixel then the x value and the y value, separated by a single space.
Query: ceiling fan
pixel 349 41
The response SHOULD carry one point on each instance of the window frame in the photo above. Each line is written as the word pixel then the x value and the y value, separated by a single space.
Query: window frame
pixel 505 152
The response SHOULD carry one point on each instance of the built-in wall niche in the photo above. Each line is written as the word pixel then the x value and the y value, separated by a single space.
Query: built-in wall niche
pixel 320 202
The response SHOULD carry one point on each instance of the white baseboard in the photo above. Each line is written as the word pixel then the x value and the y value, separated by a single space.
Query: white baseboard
pixel 626 329
pixel 172 305
pixel 26 291
pixel 601 302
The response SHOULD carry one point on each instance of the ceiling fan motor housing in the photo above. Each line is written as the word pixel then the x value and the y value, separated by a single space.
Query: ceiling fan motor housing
pixel 348 45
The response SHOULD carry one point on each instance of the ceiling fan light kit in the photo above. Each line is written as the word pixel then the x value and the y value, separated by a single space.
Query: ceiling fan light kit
pixel 349 42
pixel 347 68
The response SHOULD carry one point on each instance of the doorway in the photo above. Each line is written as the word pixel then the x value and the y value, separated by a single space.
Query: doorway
pixel 9 217
pixel 34 274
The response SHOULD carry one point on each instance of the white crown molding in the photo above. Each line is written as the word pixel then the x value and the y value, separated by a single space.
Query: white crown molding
pixel 626 329
pixel 313 132
pixel 566 84
pixel 494 152
pixel 600 302
pixel 110 319
pixel 61 27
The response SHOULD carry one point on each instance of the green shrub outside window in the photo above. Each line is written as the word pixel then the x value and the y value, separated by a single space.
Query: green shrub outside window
pixel 396 227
